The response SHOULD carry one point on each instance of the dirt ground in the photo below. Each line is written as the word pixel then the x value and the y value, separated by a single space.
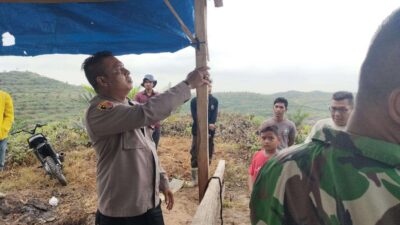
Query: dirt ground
pixel 28 190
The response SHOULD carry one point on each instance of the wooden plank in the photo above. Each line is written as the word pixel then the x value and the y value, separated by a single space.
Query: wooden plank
pixel 209 209
pixel 175 185
pixel 202 97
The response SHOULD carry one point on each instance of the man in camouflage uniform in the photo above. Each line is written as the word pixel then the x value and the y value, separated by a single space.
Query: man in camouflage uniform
pixel 351 177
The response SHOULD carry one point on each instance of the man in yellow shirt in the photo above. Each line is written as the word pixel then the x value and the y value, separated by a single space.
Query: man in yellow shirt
pixel 6 120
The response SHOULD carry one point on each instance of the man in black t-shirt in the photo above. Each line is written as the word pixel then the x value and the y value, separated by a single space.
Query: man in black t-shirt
pixel 212 119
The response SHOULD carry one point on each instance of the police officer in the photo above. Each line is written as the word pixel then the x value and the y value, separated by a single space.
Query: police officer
pixel 129 175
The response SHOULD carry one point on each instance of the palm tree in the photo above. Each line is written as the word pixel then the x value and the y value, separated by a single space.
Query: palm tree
pixel 298 118
pixel 90 93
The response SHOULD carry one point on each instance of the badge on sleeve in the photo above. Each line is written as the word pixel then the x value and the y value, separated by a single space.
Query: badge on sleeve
pixel 105 105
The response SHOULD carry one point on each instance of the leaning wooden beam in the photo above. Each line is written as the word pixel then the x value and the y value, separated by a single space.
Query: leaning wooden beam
pixel 209 209
pixel 180 21
pixel 202 96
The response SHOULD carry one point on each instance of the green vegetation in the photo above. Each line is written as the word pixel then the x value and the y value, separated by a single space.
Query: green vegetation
pixel 298 117
pixel 232 128
pixel 39 99
pixel 89 93
pixel 315 104
pixel 64 136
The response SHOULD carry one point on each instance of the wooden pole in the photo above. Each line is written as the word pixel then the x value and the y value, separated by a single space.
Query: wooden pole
pixel 183 26
pixel 202 96
pixel 209 209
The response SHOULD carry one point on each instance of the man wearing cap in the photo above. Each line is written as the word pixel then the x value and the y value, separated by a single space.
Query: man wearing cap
pixel 142 97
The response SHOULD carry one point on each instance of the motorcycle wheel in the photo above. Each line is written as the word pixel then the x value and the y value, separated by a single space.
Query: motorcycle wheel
pixel 56 170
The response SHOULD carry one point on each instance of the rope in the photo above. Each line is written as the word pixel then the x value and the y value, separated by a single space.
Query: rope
pixel 220 195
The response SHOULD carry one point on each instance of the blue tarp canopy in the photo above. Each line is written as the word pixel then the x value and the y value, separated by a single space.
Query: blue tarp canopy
pixel 123 27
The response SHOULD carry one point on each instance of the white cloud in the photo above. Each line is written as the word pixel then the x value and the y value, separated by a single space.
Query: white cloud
pixel 257 45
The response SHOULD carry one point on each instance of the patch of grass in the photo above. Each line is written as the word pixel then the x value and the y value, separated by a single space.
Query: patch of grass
pixel 24 178
pixel 80 168
pixel 226 204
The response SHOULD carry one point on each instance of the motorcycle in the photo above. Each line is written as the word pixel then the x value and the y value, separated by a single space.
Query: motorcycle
pixel 50 160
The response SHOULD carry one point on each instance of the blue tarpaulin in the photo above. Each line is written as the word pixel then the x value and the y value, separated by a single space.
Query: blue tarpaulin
pixel 123 27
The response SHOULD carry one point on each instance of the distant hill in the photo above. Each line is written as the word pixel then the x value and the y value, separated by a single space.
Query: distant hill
pixel 314 103
pixel 40 99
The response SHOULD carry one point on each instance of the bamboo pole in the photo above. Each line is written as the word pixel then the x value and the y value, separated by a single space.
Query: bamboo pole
pixel 183 25
pixel 209 208
pixel 202 96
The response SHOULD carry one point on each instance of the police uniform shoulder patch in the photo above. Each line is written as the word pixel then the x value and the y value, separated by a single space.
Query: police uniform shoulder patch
pixel 105 105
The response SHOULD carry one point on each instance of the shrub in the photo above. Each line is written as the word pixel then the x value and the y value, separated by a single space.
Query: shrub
pixel 63 136
pixel 231 128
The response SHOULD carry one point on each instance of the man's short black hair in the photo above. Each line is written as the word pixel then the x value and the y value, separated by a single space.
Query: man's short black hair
pixel 273 129
pixel 281 100
pixel 93 66
pixel 343 95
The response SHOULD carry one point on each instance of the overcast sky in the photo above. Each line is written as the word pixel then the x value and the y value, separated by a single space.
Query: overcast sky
pixel 262 46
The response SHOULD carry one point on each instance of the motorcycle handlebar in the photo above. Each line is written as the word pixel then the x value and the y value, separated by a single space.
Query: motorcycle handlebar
pixel 33 131
pixel 19 131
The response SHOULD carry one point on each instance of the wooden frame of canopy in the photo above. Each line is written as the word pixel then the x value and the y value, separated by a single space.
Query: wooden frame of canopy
pixel 200 40
pixel 202 92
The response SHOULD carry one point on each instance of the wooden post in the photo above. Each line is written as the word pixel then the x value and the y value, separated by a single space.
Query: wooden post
pixel 202 96
pixel 209 209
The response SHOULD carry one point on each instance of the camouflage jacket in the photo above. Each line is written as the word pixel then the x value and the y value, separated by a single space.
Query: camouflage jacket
pixel 338 178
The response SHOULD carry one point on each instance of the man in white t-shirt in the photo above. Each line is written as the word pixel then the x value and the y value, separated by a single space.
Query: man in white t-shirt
pixel 341 108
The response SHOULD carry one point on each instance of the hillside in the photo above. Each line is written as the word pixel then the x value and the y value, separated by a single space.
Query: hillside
pixel 314 103
pixel 26 189
pixel 40 99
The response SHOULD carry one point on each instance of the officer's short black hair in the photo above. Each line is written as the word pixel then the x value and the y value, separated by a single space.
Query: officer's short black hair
pixel 343 95
pixel 273 129
pixel 281 100
pixel 93 66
